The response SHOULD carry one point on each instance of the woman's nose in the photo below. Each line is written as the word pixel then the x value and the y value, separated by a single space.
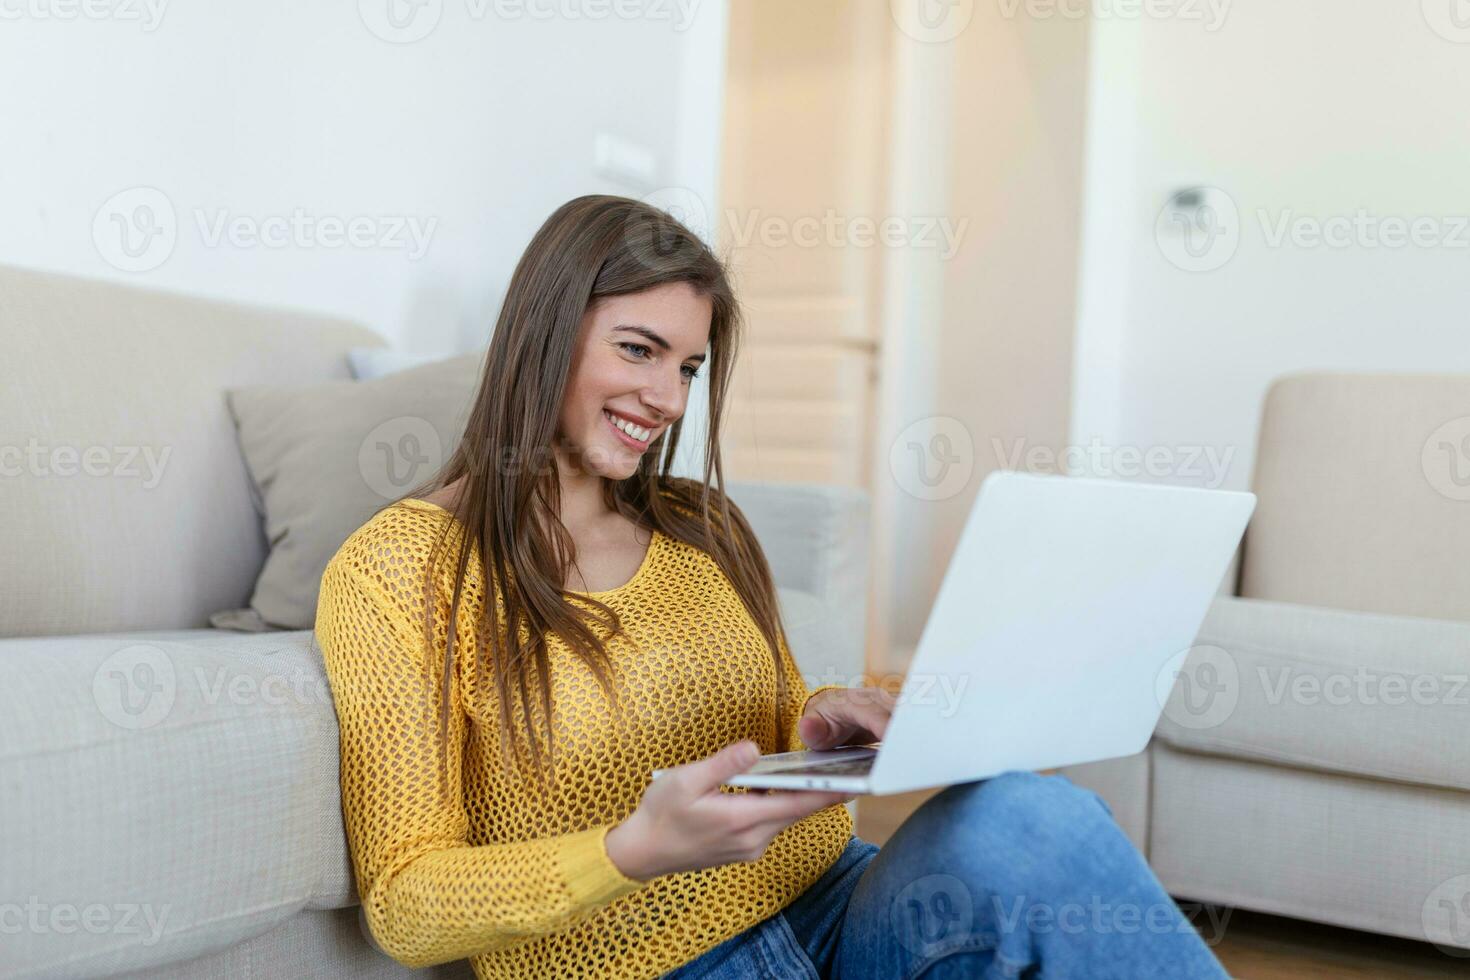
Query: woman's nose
pixel 664 401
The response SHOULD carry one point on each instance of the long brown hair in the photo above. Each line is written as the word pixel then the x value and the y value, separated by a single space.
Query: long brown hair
pixel 589 248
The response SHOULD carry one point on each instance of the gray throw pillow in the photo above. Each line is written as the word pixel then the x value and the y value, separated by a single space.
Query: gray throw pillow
pixel 324 458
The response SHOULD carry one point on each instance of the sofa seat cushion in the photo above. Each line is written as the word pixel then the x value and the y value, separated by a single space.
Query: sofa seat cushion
pixel 191 774
pixel 1385 697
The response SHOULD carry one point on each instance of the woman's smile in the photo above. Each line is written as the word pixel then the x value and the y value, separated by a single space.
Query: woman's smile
pixel 625 435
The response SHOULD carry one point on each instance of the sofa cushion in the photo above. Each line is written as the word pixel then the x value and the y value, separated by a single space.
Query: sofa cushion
pixel 1386 697
pixel 117 448
pixel 323 945
pixel 815 537
pixel 324 458
pixel 1364 495
pixel 191 774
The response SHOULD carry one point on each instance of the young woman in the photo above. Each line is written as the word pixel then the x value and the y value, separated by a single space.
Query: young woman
pixel 517 644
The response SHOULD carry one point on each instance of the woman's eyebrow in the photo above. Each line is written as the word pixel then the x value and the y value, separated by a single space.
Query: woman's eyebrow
pixel 643 331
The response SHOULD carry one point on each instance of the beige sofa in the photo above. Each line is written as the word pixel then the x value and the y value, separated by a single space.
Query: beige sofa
pixel 1314 756
pixel 181 818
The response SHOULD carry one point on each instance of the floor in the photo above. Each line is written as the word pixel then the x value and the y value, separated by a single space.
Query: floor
pixel 1255 946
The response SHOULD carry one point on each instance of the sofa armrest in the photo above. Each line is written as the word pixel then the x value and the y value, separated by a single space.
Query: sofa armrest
pixel 815 537
pixel 1362 693
pixel 810 533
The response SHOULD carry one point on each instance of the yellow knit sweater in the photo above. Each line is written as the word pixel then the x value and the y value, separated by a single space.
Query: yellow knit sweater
pixel 492 874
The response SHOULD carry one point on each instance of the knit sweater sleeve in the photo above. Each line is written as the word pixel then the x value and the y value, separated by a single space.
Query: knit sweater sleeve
pixel 428 895
pixel 796 701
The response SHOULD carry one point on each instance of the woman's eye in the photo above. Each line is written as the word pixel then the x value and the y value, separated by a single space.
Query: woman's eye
pixel 642 350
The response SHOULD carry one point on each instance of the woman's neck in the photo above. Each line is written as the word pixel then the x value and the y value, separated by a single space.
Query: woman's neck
pixel 582 504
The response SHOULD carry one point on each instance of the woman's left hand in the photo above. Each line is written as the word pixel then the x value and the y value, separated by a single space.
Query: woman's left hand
pixel 846 716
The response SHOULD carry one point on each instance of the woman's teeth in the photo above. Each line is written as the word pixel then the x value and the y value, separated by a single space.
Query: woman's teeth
pixel 636 431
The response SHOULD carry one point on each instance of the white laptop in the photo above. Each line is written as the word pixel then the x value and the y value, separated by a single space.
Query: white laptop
pixel 1053 641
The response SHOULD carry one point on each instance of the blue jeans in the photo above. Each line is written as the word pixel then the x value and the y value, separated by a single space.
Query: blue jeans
pixel 1018 876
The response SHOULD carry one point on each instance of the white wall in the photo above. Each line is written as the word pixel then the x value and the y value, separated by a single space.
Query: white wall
pixel 1311 109
pixel 254 110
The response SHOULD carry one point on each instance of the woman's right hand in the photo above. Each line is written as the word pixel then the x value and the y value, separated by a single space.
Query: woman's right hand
pixel 684 822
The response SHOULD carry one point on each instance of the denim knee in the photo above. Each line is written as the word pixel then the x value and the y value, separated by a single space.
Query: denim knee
pixel 1018 823
pixel 977 858
pixel 1008 873
pixel 1025 799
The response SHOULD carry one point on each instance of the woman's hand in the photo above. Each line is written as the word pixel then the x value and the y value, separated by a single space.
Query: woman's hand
pixel 846 716
pixel 685 822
